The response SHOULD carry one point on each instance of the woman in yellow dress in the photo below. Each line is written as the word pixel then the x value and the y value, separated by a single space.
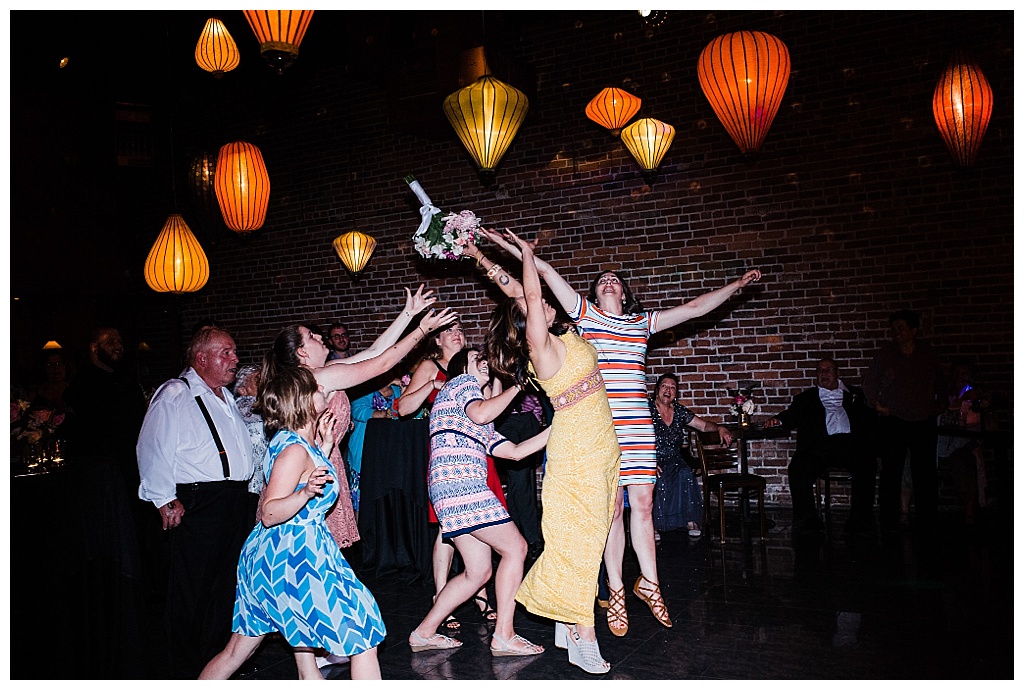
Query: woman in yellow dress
pixel 582 463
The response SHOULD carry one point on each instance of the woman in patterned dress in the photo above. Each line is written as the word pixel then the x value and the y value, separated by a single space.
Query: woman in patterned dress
pixel 612 320
pixel 461 436
pixel 582 463
pixel 296 345
pixel 292 577
pixel 677 490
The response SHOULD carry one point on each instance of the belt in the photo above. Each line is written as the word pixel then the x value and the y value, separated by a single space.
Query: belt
pixel 223 484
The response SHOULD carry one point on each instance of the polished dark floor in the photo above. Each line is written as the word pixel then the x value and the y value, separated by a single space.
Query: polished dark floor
pixel 900 605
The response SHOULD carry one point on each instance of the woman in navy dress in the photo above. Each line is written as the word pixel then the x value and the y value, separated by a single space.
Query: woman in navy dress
pixel 292 577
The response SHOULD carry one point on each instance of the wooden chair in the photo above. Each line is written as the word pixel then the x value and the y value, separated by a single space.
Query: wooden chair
pixel 720 467
pixel 823 492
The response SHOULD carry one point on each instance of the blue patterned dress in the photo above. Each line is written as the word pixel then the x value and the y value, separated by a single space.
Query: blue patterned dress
pixel 457 476
pixel 293 578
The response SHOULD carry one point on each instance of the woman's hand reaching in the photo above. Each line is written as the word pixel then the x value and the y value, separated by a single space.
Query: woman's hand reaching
pixel 325 431
pixel 525 249
pixel 749 277
pixel 505 241
pixel 414 304
pixel 432 321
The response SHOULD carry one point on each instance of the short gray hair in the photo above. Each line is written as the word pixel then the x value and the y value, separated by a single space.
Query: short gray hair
pixel 243 375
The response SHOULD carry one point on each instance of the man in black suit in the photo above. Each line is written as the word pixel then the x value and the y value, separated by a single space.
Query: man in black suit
pixel 835 426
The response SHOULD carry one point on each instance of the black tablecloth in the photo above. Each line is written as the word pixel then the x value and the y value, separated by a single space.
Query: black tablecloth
pixel 393 502
pixel 75 576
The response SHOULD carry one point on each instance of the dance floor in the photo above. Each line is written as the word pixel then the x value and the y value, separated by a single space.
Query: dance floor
pixel 896 605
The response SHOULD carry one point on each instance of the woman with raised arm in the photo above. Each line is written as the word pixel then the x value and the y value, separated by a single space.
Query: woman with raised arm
pixel 296 345
pixel 582 463
pixel 292 577
pixel 428 378
pixel 612 320
pixel 462 435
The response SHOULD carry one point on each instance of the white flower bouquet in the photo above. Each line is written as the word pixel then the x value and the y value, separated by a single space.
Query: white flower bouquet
pixel 441 236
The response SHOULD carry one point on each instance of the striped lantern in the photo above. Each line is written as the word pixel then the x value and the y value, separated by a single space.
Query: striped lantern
pixel 648 140
pixel 744 76
pixel 176 263
pixel 962 106
pixel 354 249
pixel 280 33
pixel 613 108
pixel 216 51
pixel 486 115
pixel 242 186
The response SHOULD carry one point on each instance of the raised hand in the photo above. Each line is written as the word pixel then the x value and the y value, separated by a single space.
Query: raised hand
pixel 750 277
pixel 414 304
pixel 525 248
pixel 432 321
pixel 325 429
pixel 502 242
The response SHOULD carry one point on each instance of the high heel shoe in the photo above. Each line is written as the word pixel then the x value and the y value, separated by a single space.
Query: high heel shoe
pixel 585 655
pixel 561 635
pixel 650 593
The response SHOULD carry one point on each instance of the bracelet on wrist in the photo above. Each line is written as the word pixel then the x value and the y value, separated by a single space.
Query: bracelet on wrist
pixel 493 270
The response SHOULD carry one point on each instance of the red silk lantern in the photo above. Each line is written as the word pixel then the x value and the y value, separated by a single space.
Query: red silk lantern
pixel 962 106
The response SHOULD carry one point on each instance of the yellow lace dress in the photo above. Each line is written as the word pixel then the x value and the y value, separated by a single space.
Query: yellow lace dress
pixel 578 493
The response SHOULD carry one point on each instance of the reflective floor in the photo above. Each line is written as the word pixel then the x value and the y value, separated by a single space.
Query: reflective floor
pixel 897 605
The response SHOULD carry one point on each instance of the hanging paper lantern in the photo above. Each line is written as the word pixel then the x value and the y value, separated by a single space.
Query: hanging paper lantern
pixel 354 248
pixel 744 76
pixel 648 140
pixel 176 263
pixel 486 115
pixel 962 106
pixel 280 33
pixel 216 51
pixel 200 179
pixel 613 108
pixel 242 186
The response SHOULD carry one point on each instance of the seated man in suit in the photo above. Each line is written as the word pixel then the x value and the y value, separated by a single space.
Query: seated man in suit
pixel 834 425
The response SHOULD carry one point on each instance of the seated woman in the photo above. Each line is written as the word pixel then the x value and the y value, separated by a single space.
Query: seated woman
pixel 678 497
pixel 461 436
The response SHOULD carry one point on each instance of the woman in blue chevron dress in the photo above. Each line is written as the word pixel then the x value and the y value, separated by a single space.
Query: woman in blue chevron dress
pixel 292 577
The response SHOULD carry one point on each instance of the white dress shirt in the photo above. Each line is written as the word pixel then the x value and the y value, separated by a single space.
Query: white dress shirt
pixel 836 419
pixel 176 445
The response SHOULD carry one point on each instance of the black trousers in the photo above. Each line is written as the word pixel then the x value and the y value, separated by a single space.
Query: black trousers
pixel 838 450
pixel 203 557
pixel 521 485
pixel 899 436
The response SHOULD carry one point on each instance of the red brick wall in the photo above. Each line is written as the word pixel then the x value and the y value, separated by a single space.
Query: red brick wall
pixel 852 209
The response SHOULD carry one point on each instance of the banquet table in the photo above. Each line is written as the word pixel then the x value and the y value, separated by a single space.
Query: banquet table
pixel 393 506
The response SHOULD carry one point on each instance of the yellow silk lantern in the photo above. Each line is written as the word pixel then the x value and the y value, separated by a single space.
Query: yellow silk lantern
pixel 354 249
pixel 486 115
pixel 176 263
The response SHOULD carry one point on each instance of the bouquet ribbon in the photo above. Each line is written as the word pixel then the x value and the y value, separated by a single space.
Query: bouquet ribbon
pixel 427 210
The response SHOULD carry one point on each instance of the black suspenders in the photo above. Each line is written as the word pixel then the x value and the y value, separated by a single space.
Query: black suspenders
pixel 213 430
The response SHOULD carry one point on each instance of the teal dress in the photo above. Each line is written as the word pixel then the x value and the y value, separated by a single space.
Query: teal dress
pixel 293 578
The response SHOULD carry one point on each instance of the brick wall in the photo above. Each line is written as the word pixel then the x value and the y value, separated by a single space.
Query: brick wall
pixel 852 209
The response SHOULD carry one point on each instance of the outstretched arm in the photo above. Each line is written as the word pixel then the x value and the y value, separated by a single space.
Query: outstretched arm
pixel 341 376
pixel 521 451
pixel 546 351
pixel 424 380
pixel 705 303
pixel 562 291
pixel 488 409
pixel 414 304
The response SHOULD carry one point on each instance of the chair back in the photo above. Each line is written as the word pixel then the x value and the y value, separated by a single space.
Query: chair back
pixel 716 458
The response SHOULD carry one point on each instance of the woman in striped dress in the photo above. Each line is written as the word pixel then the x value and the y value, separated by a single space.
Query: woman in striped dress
pixel 612 320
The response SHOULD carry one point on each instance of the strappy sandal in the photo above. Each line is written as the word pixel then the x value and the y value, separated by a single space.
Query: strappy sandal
pixel 650 593
pixel 435 641
pixel 618 620
pixel 487 614
pixel 504 647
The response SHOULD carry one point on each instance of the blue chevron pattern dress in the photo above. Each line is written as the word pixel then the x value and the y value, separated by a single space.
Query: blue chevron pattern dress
pixel 293 578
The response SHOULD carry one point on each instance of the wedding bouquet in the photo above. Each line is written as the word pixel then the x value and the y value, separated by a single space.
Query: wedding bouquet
pixel 441 236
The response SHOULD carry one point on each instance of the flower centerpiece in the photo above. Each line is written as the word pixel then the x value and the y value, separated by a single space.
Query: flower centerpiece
pixel 441 236
pixel 34 431
pixel 742 405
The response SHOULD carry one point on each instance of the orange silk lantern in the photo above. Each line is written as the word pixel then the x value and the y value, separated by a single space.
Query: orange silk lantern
pixel 242 186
